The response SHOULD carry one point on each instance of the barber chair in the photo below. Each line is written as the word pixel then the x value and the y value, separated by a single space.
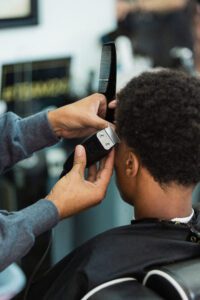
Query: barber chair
pixel 122 288
pixel 178 281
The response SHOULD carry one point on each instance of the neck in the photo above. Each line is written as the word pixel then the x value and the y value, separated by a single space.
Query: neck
pixel 162 202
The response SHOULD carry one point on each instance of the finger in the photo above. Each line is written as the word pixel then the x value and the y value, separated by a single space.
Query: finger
pixel 113 104
pixel 97 123
pixel 92 173
pixel 98 104
pixel 104 174
pixel 102 163
pixel 79 160
pixel 102 108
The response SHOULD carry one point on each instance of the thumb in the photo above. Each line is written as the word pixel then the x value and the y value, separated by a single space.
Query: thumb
pixel 79 160
pixel 113 104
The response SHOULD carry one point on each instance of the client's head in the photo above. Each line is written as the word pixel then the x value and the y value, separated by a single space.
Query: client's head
pixel 158 162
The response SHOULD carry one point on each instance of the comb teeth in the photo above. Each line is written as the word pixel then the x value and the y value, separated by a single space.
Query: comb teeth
pixel 107 77
pixel 103 84
pixel 105 69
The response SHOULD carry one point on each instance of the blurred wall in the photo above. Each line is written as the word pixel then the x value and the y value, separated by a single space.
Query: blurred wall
pixel 65 28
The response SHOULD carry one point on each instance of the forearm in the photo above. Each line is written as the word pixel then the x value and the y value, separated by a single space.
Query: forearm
pixel 21 137
pixel 18 230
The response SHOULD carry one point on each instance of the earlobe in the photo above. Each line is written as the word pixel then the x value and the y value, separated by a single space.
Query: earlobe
pixel 132 165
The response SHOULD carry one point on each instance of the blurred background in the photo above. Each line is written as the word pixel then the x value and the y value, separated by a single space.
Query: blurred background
pixel 50 56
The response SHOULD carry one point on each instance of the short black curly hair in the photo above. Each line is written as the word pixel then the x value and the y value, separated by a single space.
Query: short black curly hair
pixel 158 116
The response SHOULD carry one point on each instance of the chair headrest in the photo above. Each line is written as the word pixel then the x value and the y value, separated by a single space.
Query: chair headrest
pixel 176 281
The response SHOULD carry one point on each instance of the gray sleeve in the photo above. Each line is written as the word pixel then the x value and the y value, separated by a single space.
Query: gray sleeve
pixel 19 138
pixel 19 229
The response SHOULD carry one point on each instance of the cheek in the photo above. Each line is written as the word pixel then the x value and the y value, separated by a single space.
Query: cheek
pixel 118 165
pixel 122 181
pixel 120 177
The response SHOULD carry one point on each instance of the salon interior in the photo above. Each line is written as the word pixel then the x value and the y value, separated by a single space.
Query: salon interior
pixel 50 56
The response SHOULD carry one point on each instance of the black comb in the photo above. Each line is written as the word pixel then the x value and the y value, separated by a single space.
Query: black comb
pixel 107 77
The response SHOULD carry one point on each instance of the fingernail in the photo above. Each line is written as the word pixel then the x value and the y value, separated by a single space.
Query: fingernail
pixel 79 150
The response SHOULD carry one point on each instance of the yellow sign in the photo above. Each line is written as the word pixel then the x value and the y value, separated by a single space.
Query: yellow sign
pixel 26 91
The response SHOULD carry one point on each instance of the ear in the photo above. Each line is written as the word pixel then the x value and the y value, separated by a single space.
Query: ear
pixel 132 165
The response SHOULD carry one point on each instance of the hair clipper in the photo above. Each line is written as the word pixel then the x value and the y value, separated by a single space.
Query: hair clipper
pixel 96 146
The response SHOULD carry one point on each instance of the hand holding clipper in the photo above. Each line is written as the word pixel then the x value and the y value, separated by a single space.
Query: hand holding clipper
pixel 100 144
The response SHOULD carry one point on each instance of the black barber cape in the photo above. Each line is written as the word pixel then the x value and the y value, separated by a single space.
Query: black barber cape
pixel 124 251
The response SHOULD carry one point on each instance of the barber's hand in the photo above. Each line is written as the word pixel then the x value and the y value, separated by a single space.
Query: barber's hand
pixel 81 118
pixel 124 7
pixel 74 193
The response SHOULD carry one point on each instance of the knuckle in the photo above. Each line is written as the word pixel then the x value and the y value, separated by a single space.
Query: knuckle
pixel 100 96
pixel 78 163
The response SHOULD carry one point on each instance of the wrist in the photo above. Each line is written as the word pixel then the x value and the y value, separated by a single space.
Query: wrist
pixel 56 204
pixel 53 121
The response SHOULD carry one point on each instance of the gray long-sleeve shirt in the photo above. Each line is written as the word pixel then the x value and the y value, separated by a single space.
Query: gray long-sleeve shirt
pixel 19 138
